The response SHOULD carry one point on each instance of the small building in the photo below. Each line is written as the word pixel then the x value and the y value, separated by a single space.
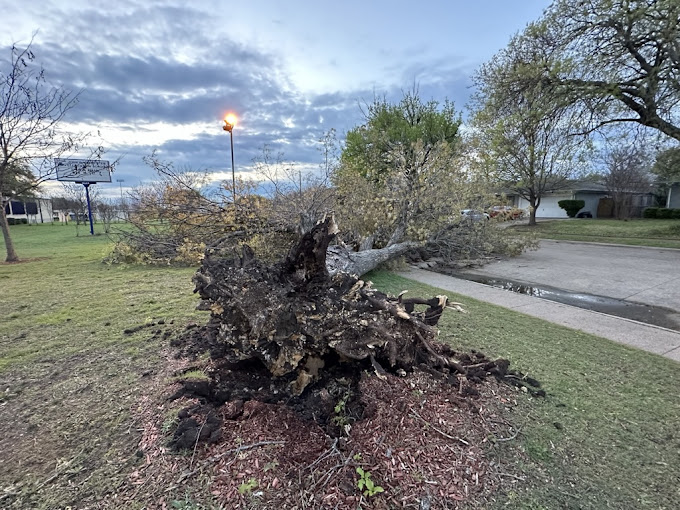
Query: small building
pixel 33 210
pixel 598 200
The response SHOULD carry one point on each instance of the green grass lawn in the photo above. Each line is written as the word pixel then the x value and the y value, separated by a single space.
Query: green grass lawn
pixel 607 435
pixel 69 375
pixel 639 232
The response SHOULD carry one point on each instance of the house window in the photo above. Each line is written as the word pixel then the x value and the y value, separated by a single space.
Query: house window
pixel 31 208
pixel 17 207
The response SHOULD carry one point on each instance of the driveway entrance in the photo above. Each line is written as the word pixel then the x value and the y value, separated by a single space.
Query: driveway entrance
pixel 642 275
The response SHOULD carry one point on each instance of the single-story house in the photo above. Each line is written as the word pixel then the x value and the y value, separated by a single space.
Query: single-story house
pixel 33 210
pixel 597 198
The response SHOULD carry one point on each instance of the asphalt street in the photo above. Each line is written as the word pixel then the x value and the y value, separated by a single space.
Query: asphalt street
pixel 644 275
pixel 631 273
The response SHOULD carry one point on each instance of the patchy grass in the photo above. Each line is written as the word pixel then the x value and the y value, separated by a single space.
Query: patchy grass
pixel 71 381
pixel 70 374
pixel 639 232
pixel 607 435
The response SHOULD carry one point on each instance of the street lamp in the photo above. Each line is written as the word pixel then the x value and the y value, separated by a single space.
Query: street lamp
pixel 229 123
pixel 122 204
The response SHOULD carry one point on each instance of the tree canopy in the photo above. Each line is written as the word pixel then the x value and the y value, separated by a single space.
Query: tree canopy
pixel 619 60
pixel 521 127
pixel 17 181
pixel 667 164
pixel 397 169
pixel 391 127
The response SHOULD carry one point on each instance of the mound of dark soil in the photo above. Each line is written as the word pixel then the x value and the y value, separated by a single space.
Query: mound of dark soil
pixel 329 375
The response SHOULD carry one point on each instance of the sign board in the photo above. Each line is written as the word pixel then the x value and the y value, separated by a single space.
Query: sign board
pixel 83 170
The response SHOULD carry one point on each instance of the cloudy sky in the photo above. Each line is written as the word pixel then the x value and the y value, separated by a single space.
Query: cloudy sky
pixel 161 74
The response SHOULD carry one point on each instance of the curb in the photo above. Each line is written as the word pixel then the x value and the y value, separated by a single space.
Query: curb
pixel 609 244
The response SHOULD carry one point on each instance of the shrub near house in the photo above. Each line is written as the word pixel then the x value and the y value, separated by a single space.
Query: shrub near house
pixel 572 207
pixel 661 213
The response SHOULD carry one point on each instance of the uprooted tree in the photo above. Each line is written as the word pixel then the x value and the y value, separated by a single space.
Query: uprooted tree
pixel 398 187
pixel 402 183
pixel 304 335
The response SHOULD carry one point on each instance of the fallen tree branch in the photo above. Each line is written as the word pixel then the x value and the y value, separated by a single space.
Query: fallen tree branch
pixel 415 414
pixel 215 458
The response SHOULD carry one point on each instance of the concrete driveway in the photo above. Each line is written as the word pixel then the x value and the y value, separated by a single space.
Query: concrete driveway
pixel 642 275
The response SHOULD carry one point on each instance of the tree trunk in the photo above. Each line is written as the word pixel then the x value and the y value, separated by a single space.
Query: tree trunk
pixel 532 216
pixel 340 259
pixel 533 207
pixel 9 245
pixel 291 334
pixel 398 233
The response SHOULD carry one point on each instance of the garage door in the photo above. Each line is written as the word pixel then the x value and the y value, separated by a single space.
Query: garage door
pixel 549 207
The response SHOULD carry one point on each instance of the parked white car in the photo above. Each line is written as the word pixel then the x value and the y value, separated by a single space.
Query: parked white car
pixel 474 215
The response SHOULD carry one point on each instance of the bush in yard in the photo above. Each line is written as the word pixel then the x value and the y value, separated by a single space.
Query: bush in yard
pixel 571 206
pixel 650 212
pixel 675 214
pixel 663 213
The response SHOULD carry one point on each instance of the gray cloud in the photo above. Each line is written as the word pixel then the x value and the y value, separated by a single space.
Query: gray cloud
pixel 159 63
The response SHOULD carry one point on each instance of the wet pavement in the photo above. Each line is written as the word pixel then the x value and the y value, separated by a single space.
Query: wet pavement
pixel 651 338
pixel 636 274
pixel 628 294
pixel 649 314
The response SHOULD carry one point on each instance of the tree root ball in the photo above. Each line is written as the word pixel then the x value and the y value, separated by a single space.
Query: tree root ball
pixel 291 333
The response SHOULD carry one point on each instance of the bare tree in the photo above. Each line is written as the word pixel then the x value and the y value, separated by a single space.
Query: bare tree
pixel 627 178
pixel 299 198
pixel 31 111
pixel 523 128
pixel 106 213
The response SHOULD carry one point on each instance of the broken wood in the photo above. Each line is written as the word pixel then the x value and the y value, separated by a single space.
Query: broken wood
pixel 298 333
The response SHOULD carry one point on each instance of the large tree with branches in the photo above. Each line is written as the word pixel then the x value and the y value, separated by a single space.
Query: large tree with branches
pixel 31 111
pixel 398 167
pixel 619 60
pixel 522 128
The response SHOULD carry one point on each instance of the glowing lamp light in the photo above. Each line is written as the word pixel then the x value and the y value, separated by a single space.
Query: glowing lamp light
pixel 229 122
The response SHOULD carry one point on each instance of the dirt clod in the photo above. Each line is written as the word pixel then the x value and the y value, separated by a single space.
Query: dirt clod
pixel 342 376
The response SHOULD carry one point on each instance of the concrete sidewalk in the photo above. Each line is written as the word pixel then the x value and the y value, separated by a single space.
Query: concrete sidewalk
pixel 662 341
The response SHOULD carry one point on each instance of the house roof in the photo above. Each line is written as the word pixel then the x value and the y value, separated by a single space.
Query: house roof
pixel 571 187
pixel 578 187
pixel 590 186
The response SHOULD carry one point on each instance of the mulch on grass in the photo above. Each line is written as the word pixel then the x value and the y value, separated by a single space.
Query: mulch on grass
pixel 419 439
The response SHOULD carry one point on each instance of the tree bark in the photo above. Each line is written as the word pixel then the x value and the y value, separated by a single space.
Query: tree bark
pixel 9 244
pixel 340 259
pixel 532 216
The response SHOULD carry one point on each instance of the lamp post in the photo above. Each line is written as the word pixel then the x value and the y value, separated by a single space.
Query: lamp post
pixel 229 123
pixel 122 204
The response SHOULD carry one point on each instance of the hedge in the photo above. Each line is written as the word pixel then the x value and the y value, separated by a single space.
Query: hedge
pixel 571 206
pixel 661 213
